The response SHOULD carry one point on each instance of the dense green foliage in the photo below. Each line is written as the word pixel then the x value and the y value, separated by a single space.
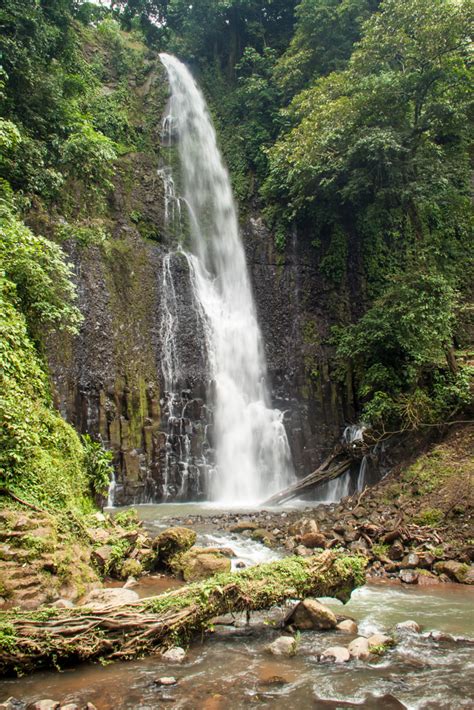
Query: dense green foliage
pixel 345 121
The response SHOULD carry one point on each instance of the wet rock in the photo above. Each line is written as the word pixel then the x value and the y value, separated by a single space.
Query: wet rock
pixel 428 578
pixel 166 680
pixel 240 565
pixel 13 704
pixel 359 648
pixel 101 556
pixel 412 560
pixel 313 540
pixel 396 551
pixel 311 614
pixel 303 527
pixel 457 571
pixel 409 626
pixel 348 626
pixel 198 563
pixel 409 576
pixel 302 551
pixel 283 646
pixel 130 583
pixel 242 525
pixel 469 576
pixel 264 536
pixel 46 704
pixel 172 542
pixel 335 654
pixel 274 680
pixel 174 655
pixel 376 641
pixel 70 706
pixel 62 604
pixel 114 596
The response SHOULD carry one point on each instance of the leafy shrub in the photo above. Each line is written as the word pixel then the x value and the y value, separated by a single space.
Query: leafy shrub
pixel 89 156
pixel 98 465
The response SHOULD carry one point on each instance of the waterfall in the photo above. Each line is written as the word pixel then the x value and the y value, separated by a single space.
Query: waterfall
pixel 252 453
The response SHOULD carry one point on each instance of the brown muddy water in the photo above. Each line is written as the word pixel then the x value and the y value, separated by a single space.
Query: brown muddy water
pixel 230 668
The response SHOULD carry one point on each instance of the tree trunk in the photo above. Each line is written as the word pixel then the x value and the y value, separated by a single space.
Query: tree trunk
pixel 312 480
pixel 56 637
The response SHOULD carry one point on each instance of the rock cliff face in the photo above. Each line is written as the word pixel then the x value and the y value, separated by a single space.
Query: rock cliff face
pixel 108 381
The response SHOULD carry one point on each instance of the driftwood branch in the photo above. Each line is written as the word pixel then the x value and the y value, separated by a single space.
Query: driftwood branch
pixel 56 637
pixel 323 473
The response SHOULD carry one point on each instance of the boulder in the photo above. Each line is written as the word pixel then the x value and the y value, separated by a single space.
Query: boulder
pixel 409 576
pixel 264 536
pixel 166 680
pixel 396 551
pixel 173 541
pixel 313 540
pixel 101 556
pixel 199 563
pixel 302 551
pixel 283 646
pixel 243 525
pixel 359 648
pixel 303 527
pixel 335 654
pixel 311 614
pixel 469 576
pixel 408 626
pixel 114 596
pixel 174 655
pixel 70 706
pixel 457 571
pixel 377 640
pixel 46 704
pixel 348 626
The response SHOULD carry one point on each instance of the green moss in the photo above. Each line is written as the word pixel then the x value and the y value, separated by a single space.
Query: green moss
pixel 429 516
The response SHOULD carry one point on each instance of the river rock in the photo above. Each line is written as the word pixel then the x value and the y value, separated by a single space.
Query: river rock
pixel 174 655
pixel 377 640
pixel 408 576
pixel 172 542
pixel 283 646
pixel 70 706
pixel 302 551
pixel 101 556
pixel 46 704
pixel 13 704
pixel 456 571
pixel 359 648
pixel 335 654
pixel 166 680
pixel 396 551
pixel 469 576
pixel 303 527
pixel 347 625
pixel 311 614
pixel 242 525
pixel 200 563
pixel 314 539
pixel 114 596
pixel 409 626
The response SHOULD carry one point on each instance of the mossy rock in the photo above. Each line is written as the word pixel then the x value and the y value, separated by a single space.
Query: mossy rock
pixel 172 542
pixel 200 563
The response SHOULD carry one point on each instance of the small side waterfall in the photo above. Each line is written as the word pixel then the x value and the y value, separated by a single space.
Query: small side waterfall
pixel 252 455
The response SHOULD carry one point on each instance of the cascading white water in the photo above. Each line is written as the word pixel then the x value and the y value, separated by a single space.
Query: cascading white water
pixel 252 452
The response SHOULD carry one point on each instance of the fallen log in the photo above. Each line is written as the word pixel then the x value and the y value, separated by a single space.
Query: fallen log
pixel 55 637
pixel 322 474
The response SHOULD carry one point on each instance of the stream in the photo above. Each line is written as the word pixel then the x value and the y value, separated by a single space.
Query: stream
pixel 231 669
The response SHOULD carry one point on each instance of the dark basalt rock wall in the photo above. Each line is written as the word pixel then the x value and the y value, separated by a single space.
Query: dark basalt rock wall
pixel 108 380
